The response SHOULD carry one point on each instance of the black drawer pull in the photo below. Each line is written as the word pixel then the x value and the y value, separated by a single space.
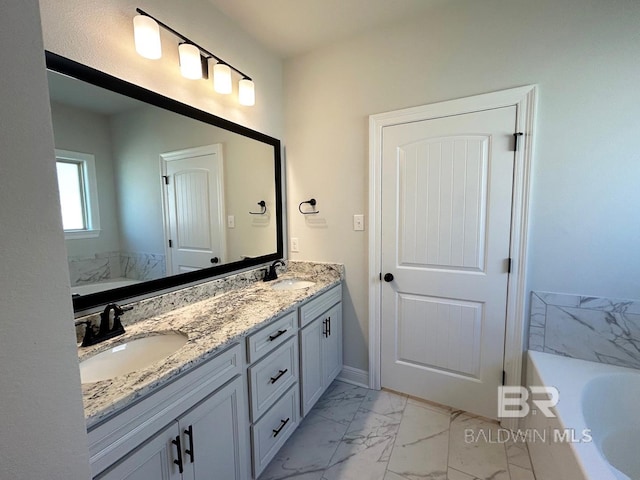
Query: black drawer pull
pixel 273 337
pixel 189 451
pixel 178 462
pixel 329 327
pixel 280 373
pixel 277 431
pixel 324 328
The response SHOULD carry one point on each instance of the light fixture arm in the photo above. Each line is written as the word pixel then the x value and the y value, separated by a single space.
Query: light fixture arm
pixel 206 52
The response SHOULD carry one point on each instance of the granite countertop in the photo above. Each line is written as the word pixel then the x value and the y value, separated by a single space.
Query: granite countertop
pixel 210 325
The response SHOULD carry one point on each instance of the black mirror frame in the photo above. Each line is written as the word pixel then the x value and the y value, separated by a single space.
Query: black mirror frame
pixel 90 75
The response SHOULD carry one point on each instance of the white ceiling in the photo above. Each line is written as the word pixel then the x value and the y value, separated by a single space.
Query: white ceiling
pixel 292 27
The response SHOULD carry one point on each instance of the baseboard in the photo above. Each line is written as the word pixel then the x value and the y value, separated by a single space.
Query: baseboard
pixel 355 376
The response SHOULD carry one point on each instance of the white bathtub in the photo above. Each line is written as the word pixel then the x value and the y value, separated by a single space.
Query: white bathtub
pixel 100 286
pixel 599 406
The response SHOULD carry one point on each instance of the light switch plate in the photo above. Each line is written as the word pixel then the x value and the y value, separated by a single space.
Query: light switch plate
pixel 231 221
pixel 294 245
pixel 358 222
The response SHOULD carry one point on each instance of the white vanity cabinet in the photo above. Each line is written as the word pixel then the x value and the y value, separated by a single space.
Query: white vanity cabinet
pixel 320 345
pixel 315 347
pixel 194 428
pixel 205 443
pixel 228 417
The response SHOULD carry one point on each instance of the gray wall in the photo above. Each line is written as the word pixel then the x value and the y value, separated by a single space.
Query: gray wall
pixel 584 56
pixel 43 430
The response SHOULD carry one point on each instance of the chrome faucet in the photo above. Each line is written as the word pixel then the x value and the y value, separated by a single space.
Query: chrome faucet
pixel 271 273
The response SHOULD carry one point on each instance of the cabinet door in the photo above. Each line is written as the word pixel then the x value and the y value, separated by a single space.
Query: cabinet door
pixel 332 344
pixel 153 461
pixel 214 436
pixel 311 378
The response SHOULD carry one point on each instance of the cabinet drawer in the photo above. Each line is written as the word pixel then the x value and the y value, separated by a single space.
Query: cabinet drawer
pixel 270 433
pixel 272 376
pixel 319 305
pixel 276 333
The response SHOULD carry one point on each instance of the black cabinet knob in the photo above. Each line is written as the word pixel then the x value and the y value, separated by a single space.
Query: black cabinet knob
pixel 215 260
pixel 388 277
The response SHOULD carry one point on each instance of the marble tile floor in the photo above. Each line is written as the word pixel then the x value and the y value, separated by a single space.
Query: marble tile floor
pixel 354 433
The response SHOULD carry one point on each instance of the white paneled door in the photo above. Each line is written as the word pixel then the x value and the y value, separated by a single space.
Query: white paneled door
pixel 194 208
pixel 446 222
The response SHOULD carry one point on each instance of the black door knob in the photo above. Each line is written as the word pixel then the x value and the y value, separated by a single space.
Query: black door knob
pixel 388 277
pixel 215 260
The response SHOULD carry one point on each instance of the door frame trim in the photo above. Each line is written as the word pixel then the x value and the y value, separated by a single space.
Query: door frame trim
pixel 165 158
pixel 525 100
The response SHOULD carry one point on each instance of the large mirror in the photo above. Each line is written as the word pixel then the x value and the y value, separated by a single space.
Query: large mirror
pixel 156 194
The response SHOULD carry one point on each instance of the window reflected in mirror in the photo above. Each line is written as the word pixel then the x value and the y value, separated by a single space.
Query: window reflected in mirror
pixel 78 191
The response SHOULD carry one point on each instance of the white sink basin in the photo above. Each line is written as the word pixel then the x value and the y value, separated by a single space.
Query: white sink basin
pixel 292 284
pixel 130 356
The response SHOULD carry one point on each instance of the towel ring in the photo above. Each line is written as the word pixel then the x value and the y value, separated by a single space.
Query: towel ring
pixel 311 202
pixel 263 205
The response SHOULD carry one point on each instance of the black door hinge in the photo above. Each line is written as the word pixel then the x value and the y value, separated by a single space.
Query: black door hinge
pixel 170 243
pixel 504 377
pixel 380 275
pixel 515 140
pixel 509 265
pixel 166 179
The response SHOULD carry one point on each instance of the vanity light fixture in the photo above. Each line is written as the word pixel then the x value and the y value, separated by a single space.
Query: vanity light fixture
pixel 246 92
pixel 147 37
pixel 190 64
pixel 222 78
pixel 194 60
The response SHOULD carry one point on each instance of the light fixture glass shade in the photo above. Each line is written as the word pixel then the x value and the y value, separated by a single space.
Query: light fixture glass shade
pixel 190 64
pixel 247 92
pixel 222 78
pixel 146 33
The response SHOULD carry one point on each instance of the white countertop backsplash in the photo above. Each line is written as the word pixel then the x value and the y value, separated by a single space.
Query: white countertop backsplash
pixel 212 315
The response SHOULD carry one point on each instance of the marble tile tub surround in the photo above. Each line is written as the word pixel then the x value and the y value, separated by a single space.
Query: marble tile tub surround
pixel 142 266
pixel 94 268
pixel 104 266
pixel 599 329
pixel 353 433
pixel 212 315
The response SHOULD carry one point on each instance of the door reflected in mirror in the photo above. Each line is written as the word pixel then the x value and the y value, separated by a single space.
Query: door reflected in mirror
pixel 173 194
